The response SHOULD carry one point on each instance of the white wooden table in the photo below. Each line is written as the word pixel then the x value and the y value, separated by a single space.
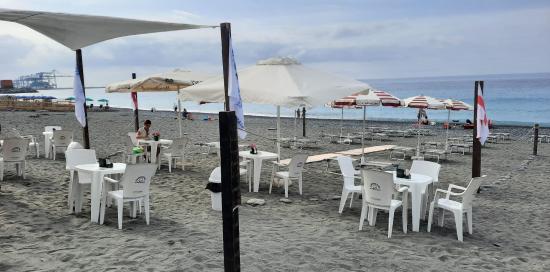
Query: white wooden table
pixel 97 184
pixel 154 146
pixel 257 160
pixel 417 187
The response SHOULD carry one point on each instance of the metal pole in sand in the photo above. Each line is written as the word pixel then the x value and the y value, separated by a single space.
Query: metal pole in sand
pixel 80 67
pixel 136 110
pixel 229 163
pixel 536 139
pixel 476 152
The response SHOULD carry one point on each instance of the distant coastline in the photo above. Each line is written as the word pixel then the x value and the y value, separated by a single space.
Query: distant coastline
pixel 17 91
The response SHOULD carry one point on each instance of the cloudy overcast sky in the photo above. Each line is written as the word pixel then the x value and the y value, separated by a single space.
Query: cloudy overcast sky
pixel 362 39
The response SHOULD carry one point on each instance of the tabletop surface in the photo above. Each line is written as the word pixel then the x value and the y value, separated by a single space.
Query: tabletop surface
pixel 95 167
pixel 261 154
pixel 415 178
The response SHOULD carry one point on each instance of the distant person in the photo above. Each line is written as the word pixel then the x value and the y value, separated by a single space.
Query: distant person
pixel 298 113
pixel 185 114
pixel 468 121
pixel 100 106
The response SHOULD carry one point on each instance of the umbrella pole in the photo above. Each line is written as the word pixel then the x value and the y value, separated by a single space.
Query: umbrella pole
pixel 295 117
pixel 342 122
pixel 447 131
pixel 363 135
pixel 179 114
pixel 278 133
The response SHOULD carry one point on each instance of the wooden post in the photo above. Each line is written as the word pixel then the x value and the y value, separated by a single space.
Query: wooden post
pixel 79 65
pixel 304 121
pixel 136 110
pixel 229 163
pixel 476 153
pixel 536 139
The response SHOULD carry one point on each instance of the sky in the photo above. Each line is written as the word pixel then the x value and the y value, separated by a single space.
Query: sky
pixel 362 39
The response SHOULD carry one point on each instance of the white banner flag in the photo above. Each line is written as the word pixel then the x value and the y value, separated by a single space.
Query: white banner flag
pixel 482 120
pixel 235 102
pixel 80 99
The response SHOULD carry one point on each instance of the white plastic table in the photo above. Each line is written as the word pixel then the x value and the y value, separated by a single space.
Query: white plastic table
pixel 216 146
pixel 97 183
pixel 417 186
pixel 154 146
pixel 47 146
pixel 257 162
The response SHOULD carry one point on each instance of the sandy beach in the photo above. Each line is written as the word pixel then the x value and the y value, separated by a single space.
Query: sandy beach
pixel 37 233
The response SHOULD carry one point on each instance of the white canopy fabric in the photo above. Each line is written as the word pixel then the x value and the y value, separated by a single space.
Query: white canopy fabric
pixel 424 102
pixel 78 31
pixel 163 82
pixel 281 82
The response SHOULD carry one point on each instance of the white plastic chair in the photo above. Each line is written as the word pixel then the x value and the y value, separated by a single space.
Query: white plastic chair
pixel 33 143
pixel 430 169
pixel 135 188
pixel 378 193
pixel 60 139
pixel 73 158
pixel 50 129
pixel 349 174
pixel 131 142
pixel 174 153
pixel 14 150
pixel 295 169
pixel 457 208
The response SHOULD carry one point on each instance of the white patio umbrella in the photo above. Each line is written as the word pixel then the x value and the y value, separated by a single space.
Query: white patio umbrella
pixel 174 80
pixel 453 105
pixel 423 102
pixel 362 100
pixel 280 82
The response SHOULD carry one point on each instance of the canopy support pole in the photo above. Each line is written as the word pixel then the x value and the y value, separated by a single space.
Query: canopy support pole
pixel 80 67
pixel 447 131
pixel 229 164
pixel 278 133
pixel 179 114
pixel 136 110
pixel 342 123
pixel 363 135
pixel 295 121
pixel 476 151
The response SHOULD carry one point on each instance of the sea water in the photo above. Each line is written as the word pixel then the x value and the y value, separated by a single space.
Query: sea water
pixel 513 99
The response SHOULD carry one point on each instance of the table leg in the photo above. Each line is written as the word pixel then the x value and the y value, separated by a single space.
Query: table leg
pixel 95 196
pixel 416 203
pixel 257 174
pixel 46 147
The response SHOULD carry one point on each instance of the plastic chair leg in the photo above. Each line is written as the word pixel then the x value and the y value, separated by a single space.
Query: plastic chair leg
pixel 470 223
pixel 120 205
pixel 146 204
pixel 351 199
pixel 442 218
pixel 390 222
pixel 364 211
pixel 458 223
pixel 286 187
pixel 300 184
pixel 430 216
pixel 343 199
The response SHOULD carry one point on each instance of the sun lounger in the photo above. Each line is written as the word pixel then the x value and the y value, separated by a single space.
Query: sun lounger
pixel 460 146
pixel 315 158
pixel 435 153
pixel 402 151
pixel 372 149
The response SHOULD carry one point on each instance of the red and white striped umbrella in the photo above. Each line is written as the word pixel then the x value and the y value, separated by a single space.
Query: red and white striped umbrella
pixel 457 105
pixel 424 102
pixel 370 98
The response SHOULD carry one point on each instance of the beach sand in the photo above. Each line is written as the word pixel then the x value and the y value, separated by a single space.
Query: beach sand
pixel 511 215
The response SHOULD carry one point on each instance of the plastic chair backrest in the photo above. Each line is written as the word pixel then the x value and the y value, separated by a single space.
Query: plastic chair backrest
pixel 76 157
pixel 136 179
pixel 471 190
pixel 178 145
pixel 30 138
pixel 427 168
pixel 133 138
pixel 15 149
pixel 51 128
pixel 296 165
pixel 378 188
pixel 346 167
pixel 62 137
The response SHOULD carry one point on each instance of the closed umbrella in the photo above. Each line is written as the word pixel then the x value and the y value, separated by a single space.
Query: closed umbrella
pixel 174 80
pixel 89 99
pixel 423 102
pixel 280 82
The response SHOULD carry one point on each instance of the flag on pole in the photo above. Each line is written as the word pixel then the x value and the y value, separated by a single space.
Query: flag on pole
pixel 134 99
pixel 482 120
pixel 235 102
pixel 80 99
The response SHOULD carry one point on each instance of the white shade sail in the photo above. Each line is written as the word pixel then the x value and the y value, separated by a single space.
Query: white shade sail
pixel 163 82
pixel 424 102
pixel 78 31
pixel 457 105
pixel 279 81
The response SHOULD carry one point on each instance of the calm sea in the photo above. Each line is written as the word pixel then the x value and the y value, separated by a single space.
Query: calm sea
pixel 511 99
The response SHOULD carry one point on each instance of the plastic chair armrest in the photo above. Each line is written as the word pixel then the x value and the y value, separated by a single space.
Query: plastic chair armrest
pixel 110 180
pixel 403 189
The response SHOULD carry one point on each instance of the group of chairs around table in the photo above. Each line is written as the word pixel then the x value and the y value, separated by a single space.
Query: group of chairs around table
pixel 379 192
pixel 132 187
